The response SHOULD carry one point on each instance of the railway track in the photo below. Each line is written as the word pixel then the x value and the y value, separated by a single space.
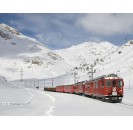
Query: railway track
pixel 125 104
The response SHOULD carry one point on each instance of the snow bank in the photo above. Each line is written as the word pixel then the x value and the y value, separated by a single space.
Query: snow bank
pixel 3 82
pixel 13 96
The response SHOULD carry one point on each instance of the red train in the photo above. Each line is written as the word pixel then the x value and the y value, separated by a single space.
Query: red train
pixel 107 88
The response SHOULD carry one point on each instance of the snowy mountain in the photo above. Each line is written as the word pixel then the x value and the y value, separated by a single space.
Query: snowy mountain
pixel 105 57
pixel 22 55
pixel 18 51
pixel 86 53
pixel 119 61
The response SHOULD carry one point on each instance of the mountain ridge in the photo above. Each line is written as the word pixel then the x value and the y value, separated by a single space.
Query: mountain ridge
pixel 37 61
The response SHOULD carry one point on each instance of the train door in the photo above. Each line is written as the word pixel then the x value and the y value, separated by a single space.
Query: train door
pixel 120 87
pixel 91 88
pixel 114 87
pixel 108 86
pixel 72 88
pixel 83 88
pixel 102 87
pixel 63 89
pixel 87 88
pixel 75 88
pixel 117 87
pixel 96 87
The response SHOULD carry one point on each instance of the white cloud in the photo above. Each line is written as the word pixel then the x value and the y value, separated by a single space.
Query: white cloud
pixel 41 37
pixel 95 39
pixel 17 24
pixel 38 23
pixel 63 30
pixel 107 24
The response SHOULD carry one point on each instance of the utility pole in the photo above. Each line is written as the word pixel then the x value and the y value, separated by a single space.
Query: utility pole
pixel 34 83
pixel 44 83
pixel 38 83
pixel 21 75
pixel 75 78
pixel 92 72
pixel 74 74
pixel 52 82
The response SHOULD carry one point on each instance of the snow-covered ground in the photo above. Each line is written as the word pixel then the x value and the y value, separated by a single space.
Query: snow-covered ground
pixel 25 103
pixel 15 99
pixel 24 57
pixel 31 102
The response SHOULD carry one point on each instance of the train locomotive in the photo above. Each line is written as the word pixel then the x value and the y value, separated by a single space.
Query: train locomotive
pixel 108 88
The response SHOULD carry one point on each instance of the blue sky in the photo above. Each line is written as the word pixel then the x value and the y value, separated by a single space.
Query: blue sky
pixel 62 30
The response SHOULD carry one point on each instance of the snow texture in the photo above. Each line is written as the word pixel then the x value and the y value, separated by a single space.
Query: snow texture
pixel 24 56
pixel 36 102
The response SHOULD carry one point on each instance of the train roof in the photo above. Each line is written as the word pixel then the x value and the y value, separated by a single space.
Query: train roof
pixel 80 82
pixel 109 76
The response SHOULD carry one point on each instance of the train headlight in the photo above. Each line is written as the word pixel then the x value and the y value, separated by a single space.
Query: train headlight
pixel 114 93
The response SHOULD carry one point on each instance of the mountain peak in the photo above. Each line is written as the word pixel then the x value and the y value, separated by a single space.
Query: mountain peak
pixel 10 29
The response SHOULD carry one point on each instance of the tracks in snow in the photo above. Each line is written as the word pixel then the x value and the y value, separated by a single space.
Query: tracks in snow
pixel 7 103
pixel 51 109
pixel 125 104
pixel 37 103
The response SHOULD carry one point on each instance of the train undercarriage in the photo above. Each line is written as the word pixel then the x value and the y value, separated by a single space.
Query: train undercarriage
pixel 112 99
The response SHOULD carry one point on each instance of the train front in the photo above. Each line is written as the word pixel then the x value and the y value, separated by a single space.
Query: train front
pixel 113 88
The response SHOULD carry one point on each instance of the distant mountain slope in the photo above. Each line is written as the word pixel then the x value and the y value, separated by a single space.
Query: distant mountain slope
pixel 120 61
pixel 86 52
pixel 19 51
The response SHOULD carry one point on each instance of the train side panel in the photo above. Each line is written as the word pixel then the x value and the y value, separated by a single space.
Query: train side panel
pixel 50 89
pixel 79 88
pixel 60 89
pixel 107 87
pixel 69 89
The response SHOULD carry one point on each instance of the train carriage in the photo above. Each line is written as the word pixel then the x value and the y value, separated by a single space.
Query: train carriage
pixel 69 88
pixel 79 88
pixel 50 89
pixel 60 89
pixel 107 87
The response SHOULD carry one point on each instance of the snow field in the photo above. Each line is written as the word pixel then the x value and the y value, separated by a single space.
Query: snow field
pixel 31 102
pixel 75 105
pixel 14 96
pixel 34 103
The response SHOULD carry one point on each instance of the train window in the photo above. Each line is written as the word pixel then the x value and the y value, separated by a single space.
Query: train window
pixel 93 84
pixel 119 83
pixel 102 83
pixel 108 83
pixel 96 84
pixel 114 83
pixel 88 85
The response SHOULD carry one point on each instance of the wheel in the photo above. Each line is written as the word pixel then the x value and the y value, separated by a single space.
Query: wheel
pixel 103 99
pixel 120 100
